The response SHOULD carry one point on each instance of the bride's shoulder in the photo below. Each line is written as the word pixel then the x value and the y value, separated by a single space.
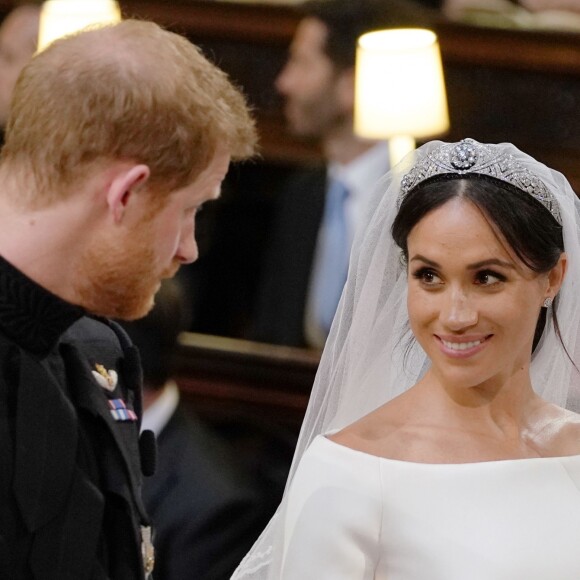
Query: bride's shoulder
pixel 385 432
pixel 559 431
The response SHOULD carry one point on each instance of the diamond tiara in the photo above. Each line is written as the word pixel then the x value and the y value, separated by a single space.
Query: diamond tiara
pixel 469 156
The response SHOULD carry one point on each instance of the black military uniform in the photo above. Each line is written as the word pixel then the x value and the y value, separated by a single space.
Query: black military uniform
pixel 70 476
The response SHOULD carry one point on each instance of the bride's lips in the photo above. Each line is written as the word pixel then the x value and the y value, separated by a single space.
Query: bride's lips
pixel 462 346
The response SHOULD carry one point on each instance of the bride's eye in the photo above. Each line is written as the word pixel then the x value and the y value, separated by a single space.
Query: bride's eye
pixel 489 278
pixel 427 276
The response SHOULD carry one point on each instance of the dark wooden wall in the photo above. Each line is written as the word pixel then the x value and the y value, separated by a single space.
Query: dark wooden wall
pixel 503 85
pixel 512 85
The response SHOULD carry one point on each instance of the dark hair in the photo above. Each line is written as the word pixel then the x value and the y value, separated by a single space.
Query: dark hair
pixel 156 334
pixel 528 227
pixel 346 20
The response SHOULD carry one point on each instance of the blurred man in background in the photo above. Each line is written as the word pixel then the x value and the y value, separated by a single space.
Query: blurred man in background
pixel 318 211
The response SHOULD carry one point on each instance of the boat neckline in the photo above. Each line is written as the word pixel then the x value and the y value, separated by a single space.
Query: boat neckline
pixel 521 460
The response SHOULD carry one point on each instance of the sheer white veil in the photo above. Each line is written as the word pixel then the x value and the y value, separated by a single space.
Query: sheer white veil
pixel 370 356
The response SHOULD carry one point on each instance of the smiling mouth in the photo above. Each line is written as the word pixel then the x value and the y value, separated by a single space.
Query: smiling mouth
pixel 463 346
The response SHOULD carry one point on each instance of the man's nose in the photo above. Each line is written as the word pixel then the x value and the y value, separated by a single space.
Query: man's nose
pixel 187 251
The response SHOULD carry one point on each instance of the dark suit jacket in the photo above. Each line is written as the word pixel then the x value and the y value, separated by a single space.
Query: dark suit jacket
pixel 205 514
pixel 283 290
pixel 70 486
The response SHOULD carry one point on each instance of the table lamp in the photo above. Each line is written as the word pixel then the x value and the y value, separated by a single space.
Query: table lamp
pixel 61 17
pixel 399 88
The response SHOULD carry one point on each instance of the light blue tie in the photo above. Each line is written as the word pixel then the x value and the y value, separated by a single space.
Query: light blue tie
pixel 333 257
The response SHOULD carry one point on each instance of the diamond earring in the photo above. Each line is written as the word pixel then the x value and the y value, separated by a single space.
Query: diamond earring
pixel 548 302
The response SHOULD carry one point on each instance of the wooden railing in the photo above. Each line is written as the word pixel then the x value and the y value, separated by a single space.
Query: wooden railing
pixel 221 377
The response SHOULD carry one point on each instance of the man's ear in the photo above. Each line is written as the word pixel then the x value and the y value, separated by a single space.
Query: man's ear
pixel 124 183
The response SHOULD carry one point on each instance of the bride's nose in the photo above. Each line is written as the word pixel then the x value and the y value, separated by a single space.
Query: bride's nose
pixel 459 310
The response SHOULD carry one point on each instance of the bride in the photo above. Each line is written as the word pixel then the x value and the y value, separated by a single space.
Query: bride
pixel 441 440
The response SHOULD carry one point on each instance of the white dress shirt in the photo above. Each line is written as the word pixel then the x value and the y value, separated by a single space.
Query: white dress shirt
pixel 360 177
pixel 157 415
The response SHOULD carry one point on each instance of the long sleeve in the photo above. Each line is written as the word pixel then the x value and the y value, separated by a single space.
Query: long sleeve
pixel 333 520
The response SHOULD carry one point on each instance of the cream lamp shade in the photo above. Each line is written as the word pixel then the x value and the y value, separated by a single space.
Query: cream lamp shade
pixel 61 17
pixel 399 88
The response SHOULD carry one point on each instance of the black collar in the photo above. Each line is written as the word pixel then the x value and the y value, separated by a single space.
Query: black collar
pixel 30 315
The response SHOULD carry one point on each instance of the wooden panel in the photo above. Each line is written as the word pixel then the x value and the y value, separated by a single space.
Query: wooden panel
pixel 221 377
pixel 544 51
pixel 237 21
pixel 516 86
pixel 503 85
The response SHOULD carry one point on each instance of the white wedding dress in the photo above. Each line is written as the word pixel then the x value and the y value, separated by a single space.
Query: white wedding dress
pixel 356 516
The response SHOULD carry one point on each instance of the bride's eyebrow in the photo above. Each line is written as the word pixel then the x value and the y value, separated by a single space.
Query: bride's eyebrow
pixel 420 258
pixel 491 262
pixel 474 266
